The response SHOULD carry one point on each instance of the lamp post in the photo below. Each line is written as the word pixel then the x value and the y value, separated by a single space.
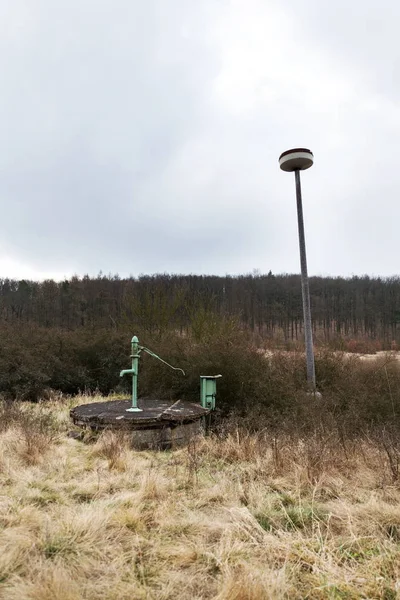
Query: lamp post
pixel 300 159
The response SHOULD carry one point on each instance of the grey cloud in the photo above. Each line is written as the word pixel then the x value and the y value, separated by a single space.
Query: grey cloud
pixel 130 144
pixel 359 34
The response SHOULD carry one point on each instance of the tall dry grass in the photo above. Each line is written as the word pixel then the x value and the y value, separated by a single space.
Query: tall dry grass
pixel 241 515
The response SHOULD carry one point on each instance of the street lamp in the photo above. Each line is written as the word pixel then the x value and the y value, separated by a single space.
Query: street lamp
pixel 300 159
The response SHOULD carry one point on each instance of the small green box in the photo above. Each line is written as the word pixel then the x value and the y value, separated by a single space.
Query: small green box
pixel 208 390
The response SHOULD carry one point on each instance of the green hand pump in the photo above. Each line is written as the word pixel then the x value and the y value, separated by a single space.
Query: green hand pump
pixel 134 371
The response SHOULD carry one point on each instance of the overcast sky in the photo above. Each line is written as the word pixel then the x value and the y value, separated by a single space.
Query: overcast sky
pixel 143 136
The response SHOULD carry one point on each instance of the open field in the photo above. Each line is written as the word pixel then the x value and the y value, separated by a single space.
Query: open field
pixel 378 356
pixel 239 517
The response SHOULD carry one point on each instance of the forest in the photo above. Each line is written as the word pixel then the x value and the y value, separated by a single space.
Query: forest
pixel 73 335
pixel 268 305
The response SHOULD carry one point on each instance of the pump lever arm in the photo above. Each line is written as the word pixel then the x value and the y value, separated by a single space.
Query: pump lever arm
pixel 160 359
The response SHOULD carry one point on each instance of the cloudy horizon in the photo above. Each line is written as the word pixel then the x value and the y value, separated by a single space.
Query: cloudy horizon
pixel 144 137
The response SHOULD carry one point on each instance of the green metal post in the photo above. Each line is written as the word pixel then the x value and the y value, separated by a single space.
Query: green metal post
pixel 134 373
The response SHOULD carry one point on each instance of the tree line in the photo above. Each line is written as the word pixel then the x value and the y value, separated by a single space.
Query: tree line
pixel 270 306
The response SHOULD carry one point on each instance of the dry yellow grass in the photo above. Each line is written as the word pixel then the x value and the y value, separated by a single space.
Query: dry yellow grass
pixel 242 518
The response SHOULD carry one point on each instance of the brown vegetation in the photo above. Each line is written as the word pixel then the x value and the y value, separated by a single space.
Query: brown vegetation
pixel 242 514
pixel 73 336
pixel 290 497
pixel 360 311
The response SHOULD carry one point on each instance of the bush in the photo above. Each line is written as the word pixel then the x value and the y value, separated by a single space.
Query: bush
pixel 34 360
pixel 265 390
pixel 248 380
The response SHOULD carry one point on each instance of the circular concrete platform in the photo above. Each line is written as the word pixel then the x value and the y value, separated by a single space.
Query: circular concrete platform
pixel 161 424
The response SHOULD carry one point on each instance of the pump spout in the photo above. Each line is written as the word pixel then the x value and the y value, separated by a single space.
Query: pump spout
pixel 127 372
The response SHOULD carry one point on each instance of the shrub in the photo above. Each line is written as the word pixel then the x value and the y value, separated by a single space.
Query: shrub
pixel 265 390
